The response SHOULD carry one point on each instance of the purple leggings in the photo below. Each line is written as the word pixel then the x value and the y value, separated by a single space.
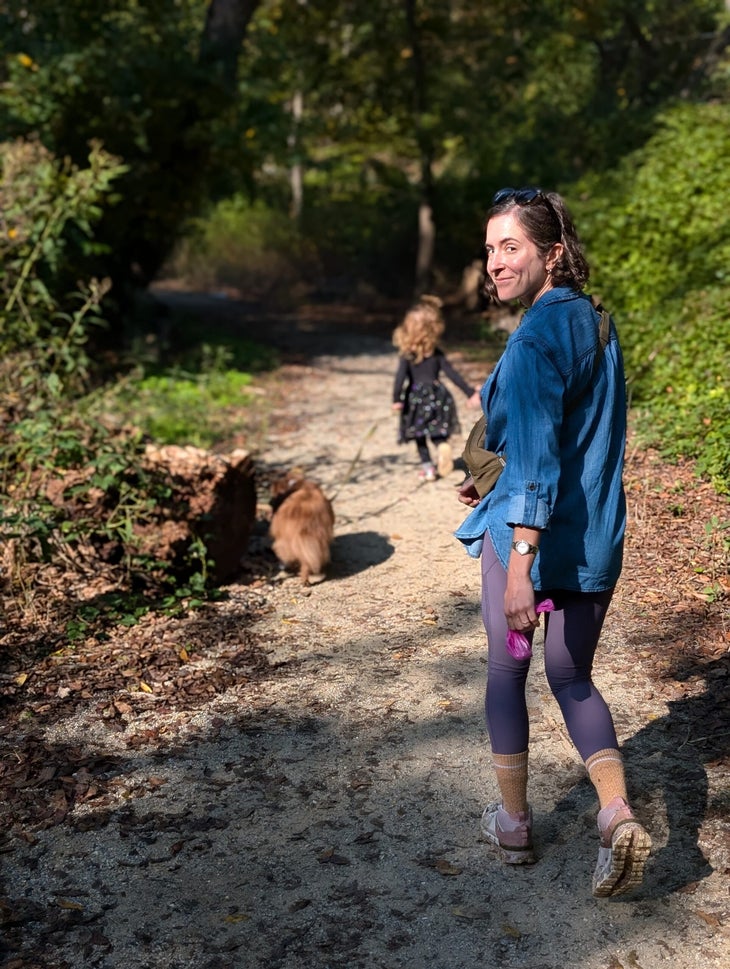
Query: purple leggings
pixel 571 637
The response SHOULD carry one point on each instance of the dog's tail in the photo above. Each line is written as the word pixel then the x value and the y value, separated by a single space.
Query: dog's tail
pixel 309 549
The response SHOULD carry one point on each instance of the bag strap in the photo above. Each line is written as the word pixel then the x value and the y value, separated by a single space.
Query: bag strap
pixel 604 335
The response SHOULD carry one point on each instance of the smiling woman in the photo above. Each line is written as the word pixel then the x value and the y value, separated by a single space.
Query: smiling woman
pixel 514 264
pixel 531 245
pixel 554 522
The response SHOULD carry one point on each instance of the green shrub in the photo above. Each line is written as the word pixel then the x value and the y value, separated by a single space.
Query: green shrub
pixel 72 479
pixel 186 409
pixel 247 245
pixel 658 235
pixel 46 205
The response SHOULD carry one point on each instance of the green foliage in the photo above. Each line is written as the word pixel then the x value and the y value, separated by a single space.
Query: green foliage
pixel 179 409
pixel 129 75
pixel 463 98
pixel 658 233
pixel 717 543
pixel 81 494
pixel 74 482
pixel 244 244
pixel 71 480
pixel 48 206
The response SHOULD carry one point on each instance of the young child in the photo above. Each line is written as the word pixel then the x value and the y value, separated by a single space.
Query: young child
pixel 427 408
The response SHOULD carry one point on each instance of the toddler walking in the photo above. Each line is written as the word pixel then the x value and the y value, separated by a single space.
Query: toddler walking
pixel 427 408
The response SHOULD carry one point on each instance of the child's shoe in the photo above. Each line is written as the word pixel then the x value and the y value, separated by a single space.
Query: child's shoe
pixel 445 459
pixel 625 847
pixel 511 833
pixel 427 473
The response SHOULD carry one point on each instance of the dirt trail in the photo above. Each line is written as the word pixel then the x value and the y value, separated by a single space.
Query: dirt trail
pixel 326 815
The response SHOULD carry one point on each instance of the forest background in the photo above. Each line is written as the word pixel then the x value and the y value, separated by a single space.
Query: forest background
pixel 341 149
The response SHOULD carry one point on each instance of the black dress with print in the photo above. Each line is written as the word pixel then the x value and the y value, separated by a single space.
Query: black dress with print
pixel 429 409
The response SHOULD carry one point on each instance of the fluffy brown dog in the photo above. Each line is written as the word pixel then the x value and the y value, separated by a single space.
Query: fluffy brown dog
pixel 302 525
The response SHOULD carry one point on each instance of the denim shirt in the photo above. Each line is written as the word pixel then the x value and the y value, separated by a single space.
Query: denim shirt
pixel 562 428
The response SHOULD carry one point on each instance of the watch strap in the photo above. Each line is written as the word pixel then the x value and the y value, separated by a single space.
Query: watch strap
pixel 530 550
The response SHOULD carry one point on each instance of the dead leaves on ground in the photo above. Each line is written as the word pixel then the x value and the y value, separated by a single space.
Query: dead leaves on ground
pixel 159 666
pixel 672 603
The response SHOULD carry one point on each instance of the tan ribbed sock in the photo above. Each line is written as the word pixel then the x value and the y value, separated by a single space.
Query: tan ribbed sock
pixel 606 771
pixel 511 770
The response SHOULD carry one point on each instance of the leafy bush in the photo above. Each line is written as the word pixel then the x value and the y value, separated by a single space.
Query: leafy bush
pixel 192 409
pixel 72 479
pixel 130 75
pixel 658 234
pixel 46 206
pixel 247 245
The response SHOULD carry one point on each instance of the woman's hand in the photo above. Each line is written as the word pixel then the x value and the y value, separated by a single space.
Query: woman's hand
pixel 398 405
pixel 467 493
pixel 519 603
pixel 475 400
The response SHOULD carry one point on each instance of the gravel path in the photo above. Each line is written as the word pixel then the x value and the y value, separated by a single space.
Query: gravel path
pixel 326 815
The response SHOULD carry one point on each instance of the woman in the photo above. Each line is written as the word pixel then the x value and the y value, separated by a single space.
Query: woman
pixel 553 526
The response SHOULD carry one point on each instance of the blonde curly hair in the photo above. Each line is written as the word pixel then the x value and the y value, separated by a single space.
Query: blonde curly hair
pixel 417 336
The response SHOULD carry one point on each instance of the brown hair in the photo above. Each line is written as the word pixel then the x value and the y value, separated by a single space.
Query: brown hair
pixel 417 336
pixel 546 220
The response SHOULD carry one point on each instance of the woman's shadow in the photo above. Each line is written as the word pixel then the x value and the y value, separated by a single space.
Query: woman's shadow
pixel 667 760
pixel 667 778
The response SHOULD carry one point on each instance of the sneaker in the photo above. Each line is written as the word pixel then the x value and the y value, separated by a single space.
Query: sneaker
pixel 445 459
pixel 511 833
pixel 624 849
pixel 427 473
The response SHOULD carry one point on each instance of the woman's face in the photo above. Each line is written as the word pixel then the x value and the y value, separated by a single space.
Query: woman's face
pixel 513 261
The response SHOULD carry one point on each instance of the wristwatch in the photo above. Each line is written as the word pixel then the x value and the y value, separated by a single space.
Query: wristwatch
pixel 524 548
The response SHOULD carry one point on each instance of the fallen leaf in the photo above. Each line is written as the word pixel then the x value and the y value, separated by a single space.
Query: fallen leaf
pixel 472 913
pixel 330 857
pixel 69 905
pixel 145 687
pixel 709 917
pixel 444 867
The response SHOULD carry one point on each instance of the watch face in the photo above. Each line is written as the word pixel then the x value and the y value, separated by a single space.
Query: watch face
pixel 523 547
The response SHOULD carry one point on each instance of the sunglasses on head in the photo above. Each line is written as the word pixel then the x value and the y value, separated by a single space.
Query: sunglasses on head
pixel 522 196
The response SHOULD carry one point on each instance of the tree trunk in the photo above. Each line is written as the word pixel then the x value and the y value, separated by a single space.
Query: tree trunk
pixel 296 172
pixel 426 245
pixel 225 28
pixel 426 225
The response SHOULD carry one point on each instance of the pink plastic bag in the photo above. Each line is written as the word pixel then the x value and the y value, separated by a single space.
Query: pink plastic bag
pixel 518 645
